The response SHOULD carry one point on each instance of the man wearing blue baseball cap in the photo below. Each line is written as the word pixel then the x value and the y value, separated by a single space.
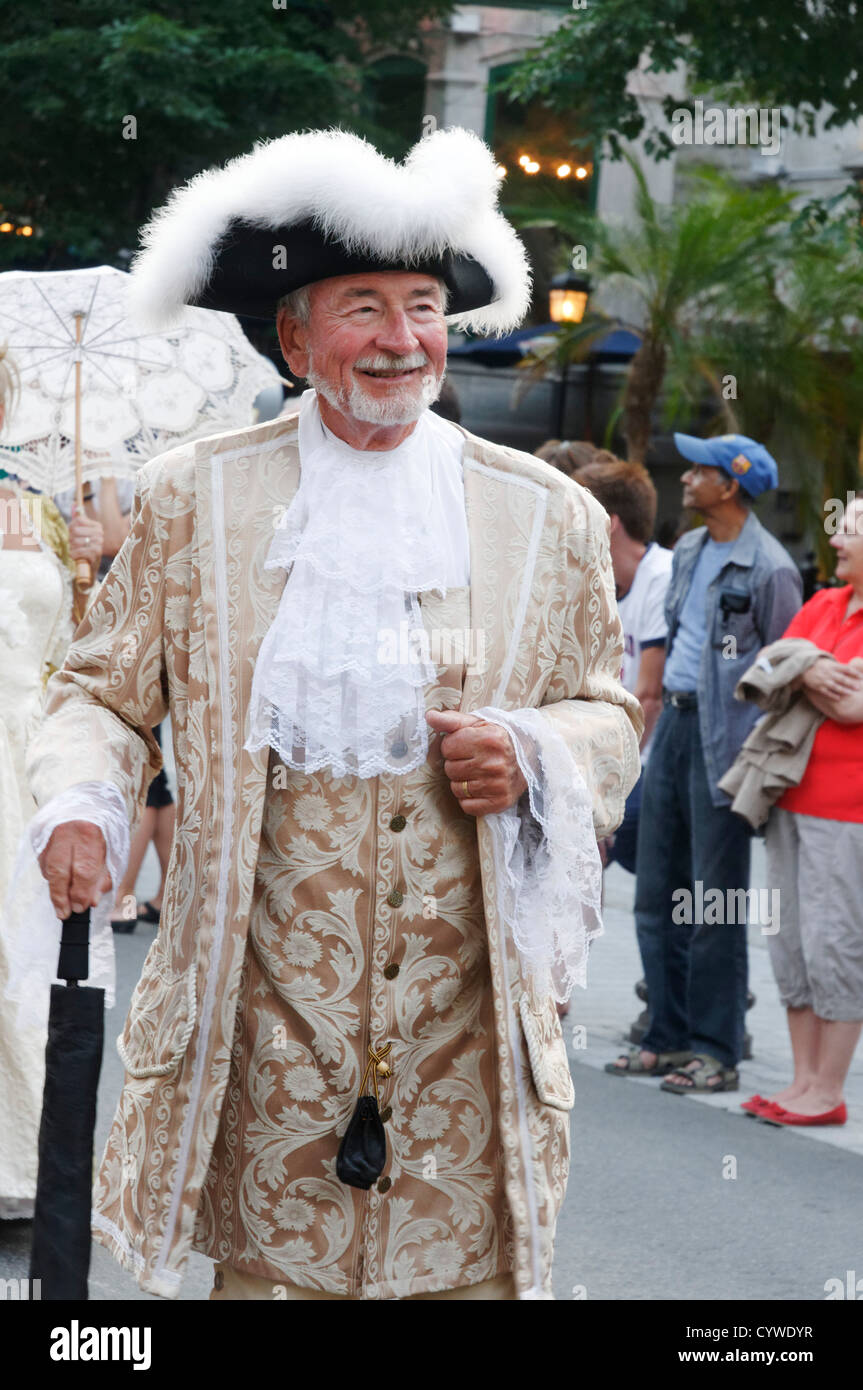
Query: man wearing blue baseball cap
pixel 733 590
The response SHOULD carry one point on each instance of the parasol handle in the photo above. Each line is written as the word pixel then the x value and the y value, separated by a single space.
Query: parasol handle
pixel 83 572
pixel 74 962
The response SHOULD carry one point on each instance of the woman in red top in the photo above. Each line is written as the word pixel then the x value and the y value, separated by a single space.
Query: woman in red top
pixel 815 856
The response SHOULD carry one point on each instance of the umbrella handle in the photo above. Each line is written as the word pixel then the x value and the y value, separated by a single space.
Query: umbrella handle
pixel 74 962
pixel 83 574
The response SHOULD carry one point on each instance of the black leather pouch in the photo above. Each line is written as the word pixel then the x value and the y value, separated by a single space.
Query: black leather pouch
pixel 363 1151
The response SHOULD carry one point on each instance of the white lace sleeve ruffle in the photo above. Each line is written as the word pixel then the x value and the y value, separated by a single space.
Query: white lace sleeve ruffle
pixel 30 926
pixel 547 858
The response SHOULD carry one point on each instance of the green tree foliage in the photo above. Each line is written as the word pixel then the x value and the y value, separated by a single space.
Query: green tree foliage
pixel 746 308
pixel 789 53
pixel 678 263
pixel 202 79
pixel 785 364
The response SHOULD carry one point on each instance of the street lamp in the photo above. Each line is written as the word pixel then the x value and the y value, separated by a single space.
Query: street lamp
pixel 567 300
pixel 567 297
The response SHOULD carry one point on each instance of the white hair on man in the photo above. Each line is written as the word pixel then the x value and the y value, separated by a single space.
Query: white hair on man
pixel 297 304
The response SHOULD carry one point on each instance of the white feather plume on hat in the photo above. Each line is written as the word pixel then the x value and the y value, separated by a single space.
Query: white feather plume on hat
pixel 442 198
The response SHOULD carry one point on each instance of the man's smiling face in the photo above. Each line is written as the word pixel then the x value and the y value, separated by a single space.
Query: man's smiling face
pixel 374 346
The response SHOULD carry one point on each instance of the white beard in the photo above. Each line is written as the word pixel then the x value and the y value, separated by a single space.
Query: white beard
pixel 401 407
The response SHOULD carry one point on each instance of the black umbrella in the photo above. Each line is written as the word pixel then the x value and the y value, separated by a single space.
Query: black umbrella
pixel 60 1256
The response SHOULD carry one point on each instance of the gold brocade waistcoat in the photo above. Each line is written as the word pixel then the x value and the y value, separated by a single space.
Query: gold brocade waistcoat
pixel 366 927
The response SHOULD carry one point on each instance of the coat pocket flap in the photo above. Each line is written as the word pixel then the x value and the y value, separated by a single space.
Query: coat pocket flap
pixel 161 1019
pixel 546 1050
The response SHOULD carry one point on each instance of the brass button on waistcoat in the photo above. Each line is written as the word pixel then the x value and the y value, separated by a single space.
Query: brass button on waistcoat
pixel 385 1184
pixel 398 823
pixel 395 898
pixel 391 970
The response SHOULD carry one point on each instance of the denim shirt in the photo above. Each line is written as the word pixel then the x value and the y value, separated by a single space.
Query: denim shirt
pixel 759 568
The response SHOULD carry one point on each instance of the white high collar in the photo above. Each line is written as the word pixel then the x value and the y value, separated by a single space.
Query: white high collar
pixel 366 532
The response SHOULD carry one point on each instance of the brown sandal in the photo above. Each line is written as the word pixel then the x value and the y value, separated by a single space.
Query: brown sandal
pixel 665 1062
pixel 699 1079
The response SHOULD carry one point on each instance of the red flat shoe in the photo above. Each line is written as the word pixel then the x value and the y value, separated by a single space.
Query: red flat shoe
pixel 780 1116
pixel 755 1105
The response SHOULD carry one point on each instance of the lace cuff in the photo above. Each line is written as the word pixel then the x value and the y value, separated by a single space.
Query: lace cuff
pixel 547 859
pixel 30 927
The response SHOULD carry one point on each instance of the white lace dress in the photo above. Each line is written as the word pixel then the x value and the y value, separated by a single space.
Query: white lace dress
pixel 35 628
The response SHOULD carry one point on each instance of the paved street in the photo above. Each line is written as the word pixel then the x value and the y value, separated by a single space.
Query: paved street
pixel 648 1214
pixel 609 1006
pixel 648 1211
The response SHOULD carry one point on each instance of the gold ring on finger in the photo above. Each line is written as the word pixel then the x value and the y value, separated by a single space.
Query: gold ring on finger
pixel 466 786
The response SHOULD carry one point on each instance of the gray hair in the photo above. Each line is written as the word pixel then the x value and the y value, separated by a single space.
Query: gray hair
pixel 297 303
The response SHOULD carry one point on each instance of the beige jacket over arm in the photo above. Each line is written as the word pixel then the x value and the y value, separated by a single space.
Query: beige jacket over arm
pixel 176 627
pixel 775 753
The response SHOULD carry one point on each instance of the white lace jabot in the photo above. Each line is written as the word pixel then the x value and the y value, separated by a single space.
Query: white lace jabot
pixel 340 675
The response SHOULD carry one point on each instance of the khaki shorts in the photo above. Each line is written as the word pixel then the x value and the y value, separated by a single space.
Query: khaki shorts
pixel 817 954
pixel 230 1283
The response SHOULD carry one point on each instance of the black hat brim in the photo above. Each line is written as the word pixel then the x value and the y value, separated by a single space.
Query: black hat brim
pixel 255 266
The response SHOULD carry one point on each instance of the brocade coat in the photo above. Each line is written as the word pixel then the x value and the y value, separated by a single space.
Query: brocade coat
pixel 176 628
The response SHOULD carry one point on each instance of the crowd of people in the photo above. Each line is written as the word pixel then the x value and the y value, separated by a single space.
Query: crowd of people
pixel 697 620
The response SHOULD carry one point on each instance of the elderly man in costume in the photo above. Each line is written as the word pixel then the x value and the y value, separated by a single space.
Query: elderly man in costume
pixel 391 657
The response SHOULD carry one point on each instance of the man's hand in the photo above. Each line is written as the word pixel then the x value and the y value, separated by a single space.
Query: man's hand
pixel 73 862
pixel 479 761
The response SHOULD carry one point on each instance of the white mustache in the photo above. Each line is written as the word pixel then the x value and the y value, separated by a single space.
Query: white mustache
pixel 382 363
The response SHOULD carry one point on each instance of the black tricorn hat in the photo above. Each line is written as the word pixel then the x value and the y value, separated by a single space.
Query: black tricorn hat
pixel 310 206
pixel 256 266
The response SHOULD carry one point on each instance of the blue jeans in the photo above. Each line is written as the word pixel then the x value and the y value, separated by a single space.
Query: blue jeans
pixel 696 973
pixel 625 844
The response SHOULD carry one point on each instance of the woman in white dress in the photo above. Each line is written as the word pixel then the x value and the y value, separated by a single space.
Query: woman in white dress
pixel 37 554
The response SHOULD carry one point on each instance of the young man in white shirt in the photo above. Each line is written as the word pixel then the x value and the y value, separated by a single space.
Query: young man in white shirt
pixel 642 570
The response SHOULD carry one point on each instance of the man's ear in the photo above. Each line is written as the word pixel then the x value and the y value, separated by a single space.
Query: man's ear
pixel 614 527
pixel 293 339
